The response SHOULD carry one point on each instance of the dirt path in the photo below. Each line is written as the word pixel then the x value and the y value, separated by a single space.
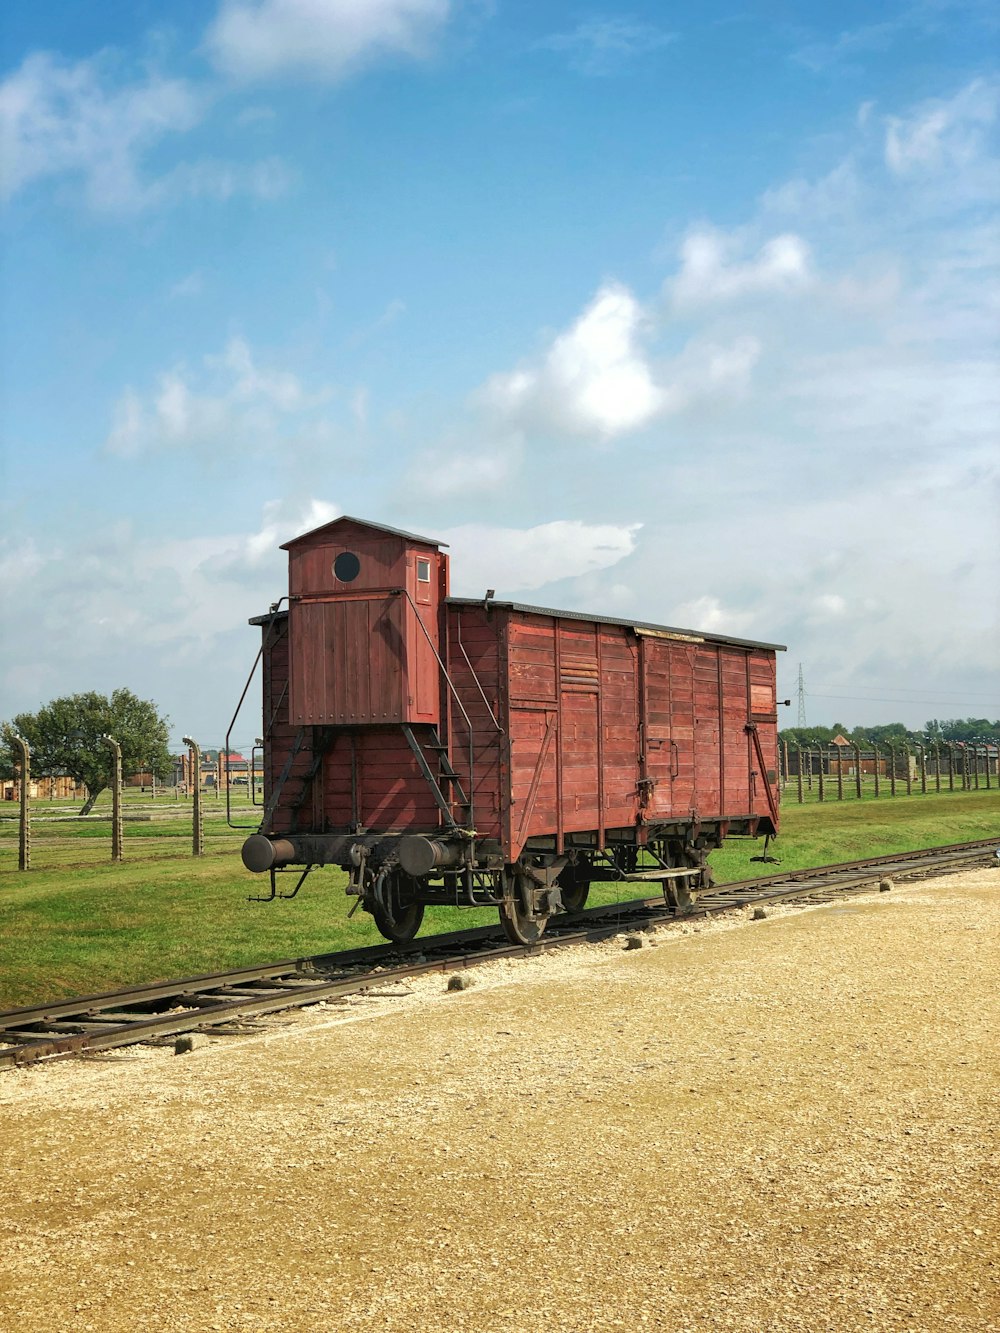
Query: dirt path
pixel 789 1124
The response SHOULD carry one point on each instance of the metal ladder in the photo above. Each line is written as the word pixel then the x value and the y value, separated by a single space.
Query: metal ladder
pixel 455 793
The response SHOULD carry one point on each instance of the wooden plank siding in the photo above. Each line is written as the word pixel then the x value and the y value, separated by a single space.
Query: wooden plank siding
pixel 601 727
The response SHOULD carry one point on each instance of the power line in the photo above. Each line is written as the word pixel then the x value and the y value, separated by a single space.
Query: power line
pixel 910 689
pixel 888 699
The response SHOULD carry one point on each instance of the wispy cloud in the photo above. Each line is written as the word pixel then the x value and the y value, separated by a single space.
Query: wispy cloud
pixel 943 133
pixel 229 399
pixel 192 284
pixel 86 123
pixel 518 559
pixel 604 46
pixel 81 120
pixel 846 49
pixel 327 40
pixel 712 268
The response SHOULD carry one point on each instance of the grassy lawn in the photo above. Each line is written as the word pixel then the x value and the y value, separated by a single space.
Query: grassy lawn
pixel 76 923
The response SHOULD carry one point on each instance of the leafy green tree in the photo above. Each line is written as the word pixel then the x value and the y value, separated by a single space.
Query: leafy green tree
pixel 66 737
pixel 964 729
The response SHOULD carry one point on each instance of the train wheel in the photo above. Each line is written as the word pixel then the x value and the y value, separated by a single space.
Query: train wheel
pixel 519 925
pixel 574 897
pixel 398 919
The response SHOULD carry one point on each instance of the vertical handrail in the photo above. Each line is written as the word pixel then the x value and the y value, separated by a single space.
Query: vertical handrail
pixel 752 728
pixel 454 693
pixel 265 642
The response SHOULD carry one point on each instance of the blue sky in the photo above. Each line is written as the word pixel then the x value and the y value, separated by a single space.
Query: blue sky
pixel 687 312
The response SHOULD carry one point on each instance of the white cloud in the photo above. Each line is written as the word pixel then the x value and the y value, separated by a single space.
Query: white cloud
pixel 836 194
pixel 712 271
pixel 595 379
pixel 709 614
pixel 281 521
pixel 603 46
pixel 460 471
pixel 598 380
pixel 706 369
pixel 59 119
pixel 323 39
pixel 828 606
pixel 85 122
pixel 19 561
pixel 942 134
pixel 231 400
pixel 218 181
pixel 513 560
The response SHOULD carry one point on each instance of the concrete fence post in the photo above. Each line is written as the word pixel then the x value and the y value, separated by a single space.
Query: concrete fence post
pixel 878 765
pixel 197 825
pixel 117 829
pixel 798 751
pixel 857 769
pixel 24 824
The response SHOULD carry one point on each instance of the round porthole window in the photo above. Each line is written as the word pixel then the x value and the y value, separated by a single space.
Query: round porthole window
pixel 346 567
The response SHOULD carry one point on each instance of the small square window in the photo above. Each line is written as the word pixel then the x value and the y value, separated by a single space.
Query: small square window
pixel 423 571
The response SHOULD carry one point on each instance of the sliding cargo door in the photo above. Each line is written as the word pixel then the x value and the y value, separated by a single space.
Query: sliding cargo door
pixel 667 726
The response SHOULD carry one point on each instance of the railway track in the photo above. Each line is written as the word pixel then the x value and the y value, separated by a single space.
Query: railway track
pixel 224 1003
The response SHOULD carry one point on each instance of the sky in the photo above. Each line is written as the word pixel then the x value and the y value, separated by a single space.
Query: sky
pixel 680 311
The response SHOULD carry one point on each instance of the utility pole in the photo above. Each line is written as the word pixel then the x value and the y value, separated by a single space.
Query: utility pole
pixel 801 719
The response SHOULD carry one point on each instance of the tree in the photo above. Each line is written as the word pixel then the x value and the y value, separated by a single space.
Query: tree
pixel 964 729
pixel 66 737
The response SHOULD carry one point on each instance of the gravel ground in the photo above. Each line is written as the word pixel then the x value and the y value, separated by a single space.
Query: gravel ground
pixel 788 1124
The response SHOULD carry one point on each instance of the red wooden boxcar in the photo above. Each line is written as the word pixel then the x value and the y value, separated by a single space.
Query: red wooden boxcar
pixel 447 750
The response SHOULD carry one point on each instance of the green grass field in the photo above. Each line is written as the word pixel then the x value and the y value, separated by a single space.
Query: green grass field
pixel 75 923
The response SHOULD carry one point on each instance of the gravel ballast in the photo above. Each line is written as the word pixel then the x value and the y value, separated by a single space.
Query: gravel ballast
pixel 787 1124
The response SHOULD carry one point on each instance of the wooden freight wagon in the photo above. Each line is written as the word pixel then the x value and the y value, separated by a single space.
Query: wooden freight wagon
pixel 450 750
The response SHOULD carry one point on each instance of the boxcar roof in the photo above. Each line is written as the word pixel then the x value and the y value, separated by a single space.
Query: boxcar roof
pixel 706 635
pixel 363 523
pixel 618 620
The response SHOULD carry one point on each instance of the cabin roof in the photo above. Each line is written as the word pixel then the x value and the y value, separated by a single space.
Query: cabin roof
pixel 362 523
pixel 672 631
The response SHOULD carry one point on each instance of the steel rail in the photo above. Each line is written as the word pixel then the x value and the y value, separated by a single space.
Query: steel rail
pixel 102 1021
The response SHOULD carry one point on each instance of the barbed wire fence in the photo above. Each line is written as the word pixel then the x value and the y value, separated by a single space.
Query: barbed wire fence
pixel 846 770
